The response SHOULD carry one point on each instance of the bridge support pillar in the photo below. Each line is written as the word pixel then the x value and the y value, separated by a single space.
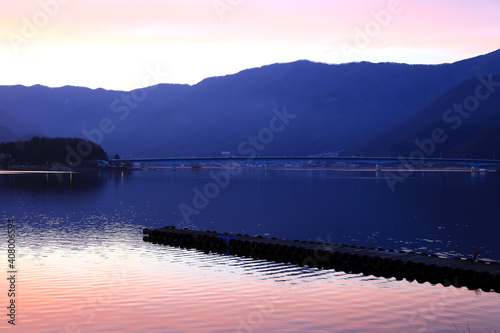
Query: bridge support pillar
pixel 268 167
pixel 174 167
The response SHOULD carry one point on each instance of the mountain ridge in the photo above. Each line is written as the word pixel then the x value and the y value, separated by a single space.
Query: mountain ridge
pixel 337 106
pixel 465 125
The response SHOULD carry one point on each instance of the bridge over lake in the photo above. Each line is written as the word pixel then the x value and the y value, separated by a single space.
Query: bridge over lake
pixel 268 160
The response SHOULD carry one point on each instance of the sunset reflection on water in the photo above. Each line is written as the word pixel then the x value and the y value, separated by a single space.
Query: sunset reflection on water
pixel 83 267
pixel 135 287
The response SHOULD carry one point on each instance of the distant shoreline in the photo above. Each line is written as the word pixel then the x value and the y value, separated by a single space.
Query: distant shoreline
pixel 27 168
pixel 17 172
pixel 312 168
pixel 48 170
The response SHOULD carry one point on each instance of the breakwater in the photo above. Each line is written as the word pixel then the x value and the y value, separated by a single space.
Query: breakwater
pixel 411 266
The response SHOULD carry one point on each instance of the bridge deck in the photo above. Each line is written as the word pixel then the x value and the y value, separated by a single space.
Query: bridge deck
pixel 283 159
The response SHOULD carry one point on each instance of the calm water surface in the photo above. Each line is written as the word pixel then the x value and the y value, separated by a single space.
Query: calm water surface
pixel 83 266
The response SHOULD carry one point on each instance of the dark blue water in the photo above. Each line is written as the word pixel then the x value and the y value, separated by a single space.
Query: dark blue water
pixel 444 213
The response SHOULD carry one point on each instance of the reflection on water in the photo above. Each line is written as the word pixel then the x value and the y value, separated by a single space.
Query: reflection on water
pixel 83 266
pixel 52 181
pixel 92 282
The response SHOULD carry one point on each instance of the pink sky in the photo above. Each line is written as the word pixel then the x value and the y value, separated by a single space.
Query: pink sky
pixel 115 44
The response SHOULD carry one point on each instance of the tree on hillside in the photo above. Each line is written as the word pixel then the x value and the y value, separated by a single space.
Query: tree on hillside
pixel 42 150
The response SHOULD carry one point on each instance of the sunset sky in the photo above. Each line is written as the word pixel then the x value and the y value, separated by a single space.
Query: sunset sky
pixel 125 44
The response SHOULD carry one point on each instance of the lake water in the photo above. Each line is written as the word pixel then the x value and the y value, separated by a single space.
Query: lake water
pixel 82 265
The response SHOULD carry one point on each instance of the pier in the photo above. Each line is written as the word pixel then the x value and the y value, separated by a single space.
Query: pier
pixel 420 267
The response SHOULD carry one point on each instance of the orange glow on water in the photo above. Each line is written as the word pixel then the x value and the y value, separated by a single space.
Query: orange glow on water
pixel 170 290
